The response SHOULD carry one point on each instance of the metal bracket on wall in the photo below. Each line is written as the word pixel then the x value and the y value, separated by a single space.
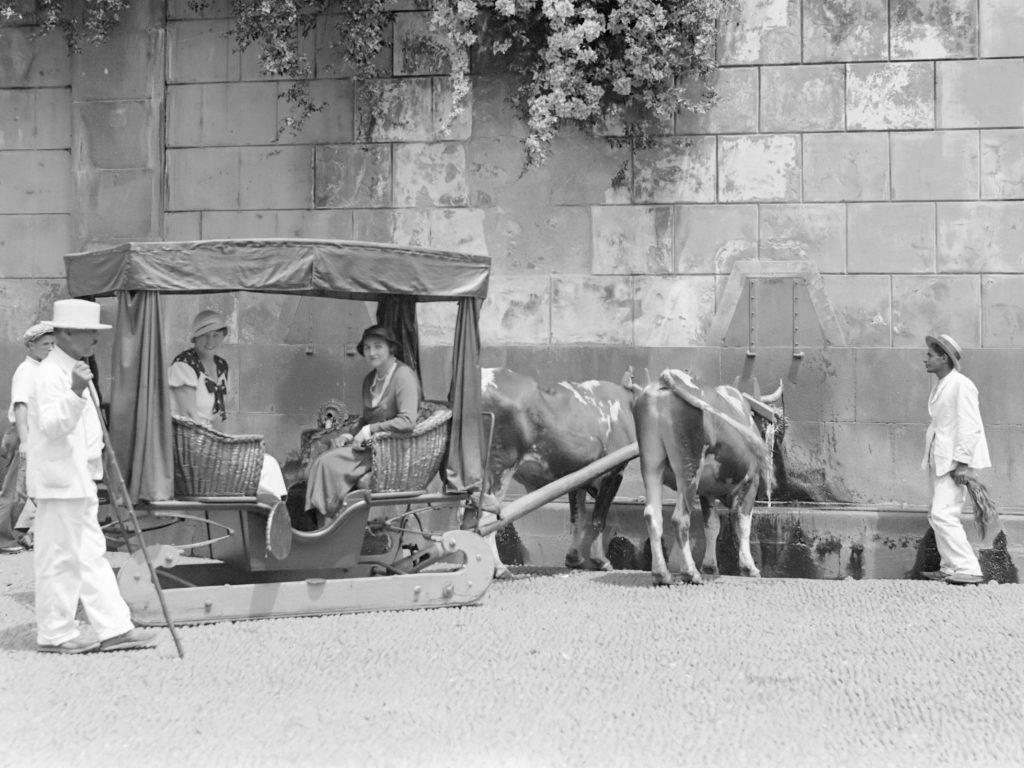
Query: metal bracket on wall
pixel 751 318
pixel 798 354
pixel 751 358
pixel 806 271
pixel 746 273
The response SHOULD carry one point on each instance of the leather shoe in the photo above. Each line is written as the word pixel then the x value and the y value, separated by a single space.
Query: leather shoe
pixel 74 645
pixel 14 549
pixel 965 578
pixel 934 575
pixel 133 638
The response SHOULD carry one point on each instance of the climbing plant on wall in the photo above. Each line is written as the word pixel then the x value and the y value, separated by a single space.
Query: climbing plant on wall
pixel 85 21
pixel 591 63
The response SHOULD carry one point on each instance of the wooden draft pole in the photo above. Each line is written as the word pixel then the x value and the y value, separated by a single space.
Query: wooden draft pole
pixel 116 479
pixel 531 501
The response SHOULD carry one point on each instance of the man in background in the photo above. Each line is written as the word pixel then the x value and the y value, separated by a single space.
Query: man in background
pixel 39 341
pixel 955 445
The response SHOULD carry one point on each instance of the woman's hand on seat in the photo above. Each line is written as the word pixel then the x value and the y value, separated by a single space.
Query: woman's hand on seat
pixel 362 437
pixel 341 440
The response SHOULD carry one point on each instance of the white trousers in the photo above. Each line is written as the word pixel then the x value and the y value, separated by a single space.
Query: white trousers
pixel 956 553
pixel 70 566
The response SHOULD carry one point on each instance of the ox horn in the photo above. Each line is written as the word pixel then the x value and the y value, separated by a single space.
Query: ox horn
pixel 773 397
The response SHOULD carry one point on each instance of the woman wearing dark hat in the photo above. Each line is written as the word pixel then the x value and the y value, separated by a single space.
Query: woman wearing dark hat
pixel 198 379
pixel 391 402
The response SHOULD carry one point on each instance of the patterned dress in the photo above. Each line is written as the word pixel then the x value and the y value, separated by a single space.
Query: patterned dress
pixel 188 371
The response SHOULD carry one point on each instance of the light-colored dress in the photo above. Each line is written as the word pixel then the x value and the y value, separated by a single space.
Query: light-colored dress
pixel 186 371
pixel 391 407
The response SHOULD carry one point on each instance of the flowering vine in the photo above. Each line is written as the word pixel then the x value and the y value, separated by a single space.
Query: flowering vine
pixel 593 63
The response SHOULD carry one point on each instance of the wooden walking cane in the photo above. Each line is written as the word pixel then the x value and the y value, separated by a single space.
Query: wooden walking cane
pixel 120 488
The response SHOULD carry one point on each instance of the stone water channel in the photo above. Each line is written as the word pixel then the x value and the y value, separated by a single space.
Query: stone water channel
pixel 810 541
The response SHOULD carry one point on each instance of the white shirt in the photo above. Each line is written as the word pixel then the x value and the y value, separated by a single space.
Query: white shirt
pixel 22 384
pixel 65 438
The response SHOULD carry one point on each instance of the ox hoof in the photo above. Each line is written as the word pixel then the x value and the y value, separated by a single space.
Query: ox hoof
pixel 753 573
pixel 661 579
pixel 600 565
pixel 574 561
pixel 691 578
pixel 709 570
pixel 502 572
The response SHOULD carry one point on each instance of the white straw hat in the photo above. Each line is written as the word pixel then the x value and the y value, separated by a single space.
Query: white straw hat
pixel 947 344
pixel 77 314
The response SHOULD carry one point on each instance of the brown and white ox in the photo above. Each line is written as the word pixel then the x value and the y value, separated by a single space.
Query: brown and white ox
pixel 544 432
pixel 703 443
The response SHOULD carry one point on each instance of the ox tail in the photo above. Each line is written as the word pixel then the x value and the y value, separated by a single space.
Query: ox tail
pixel 747 433
pixel 985 512
pixel 768 471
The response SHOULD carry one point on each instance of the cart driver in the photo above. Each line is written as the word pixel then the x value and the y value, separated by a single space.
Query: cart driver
pixel 65 444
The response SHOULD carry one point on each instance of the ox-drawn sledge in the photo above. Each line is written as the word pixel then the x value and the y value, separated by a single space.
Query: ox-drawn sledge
pixel 259 565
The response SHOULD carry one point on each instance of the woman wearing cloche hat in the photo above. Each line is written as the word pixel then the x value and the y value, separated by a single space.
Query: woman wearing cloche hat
pixel 391 402
pixel 198 379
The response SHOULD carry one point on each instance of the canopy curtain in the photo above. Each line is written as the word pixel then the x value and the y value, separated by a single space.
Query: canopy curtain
pixel 399 314
pixel 463 464
pixel 140 409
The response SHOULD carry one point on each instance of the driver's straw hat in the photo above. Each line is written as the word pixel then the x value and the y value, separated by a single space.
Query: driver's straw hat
pixel 77 314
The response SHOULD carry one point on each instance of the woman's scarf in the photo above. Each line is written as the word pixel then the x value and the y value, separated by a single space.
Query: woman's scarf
pixel 218 388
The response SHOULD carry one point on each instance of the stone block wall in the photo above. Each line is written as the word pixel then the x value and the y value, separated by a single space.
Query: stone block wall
pixel 867 156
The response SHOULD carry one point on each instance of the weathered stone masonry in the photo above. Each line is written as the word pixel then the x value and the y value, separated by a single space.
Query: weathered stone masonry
pixel 879 143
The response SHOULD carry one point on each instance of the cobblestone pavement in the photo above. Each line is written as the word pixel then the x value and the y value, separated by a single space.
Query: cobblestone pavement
pixel 552 669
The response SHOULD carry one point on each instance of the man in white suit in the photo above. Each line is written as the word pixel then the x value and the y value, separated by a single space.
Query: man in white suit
pixel 954 446
pixel 65 444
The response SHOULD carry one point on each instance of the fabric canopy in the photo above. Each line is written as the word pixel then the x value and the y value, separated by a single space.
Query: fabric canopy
pixel 337 268
pixel 399 314
pixel 395 276
pixel 140 407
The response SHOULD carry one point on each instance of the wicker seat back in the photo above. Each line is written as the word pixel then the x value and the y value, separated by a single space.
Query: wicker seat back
pixel 211 463
pixel 408 462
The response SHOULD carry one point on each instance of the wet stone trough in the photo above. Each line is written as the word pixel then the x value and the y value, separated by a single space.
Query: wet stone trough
pixel 787 541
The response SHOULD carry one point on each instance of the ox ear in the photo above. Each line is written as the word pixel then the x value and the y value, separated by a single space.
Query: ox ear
pixel 629 383
pixel 627 378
